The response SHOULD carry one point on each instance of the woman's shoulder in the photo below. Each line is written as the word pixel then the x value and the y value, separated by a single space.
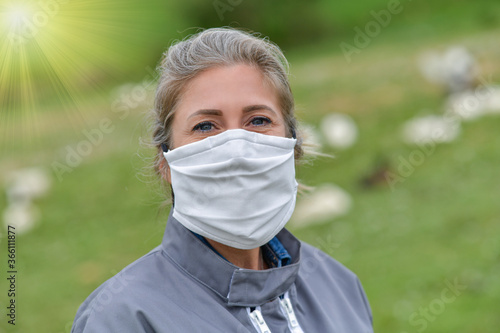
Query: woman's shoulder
pixel 118 302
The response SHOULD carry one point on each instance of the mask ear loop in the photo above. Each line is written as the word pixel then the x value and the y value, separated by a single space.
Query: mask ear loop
pixel 164 147
pixel 294 135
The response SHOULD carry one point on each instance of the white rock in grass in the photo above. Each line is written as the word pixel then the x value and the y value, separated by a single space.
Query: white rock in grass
pixel 430 129
pixel 27 184
pixel 473 104
pixel 456 68
pixel 465 105
pixel 491 95
pixel 22 186
pixel 339 130
pixel 327 201
pixel 21 215
pixel 461 68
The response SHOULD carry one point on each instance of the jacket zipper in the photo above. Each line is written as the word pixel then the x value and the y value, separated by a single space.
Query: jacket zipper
pixel 258 321
pixel 287 309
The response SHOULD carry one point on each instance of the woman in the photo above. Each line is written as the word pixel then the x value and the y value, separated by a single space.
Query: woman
pixel 227 145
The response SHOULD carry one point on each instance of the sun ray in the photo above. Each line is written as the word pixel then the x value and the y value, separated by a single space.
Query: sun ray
pixel 55 54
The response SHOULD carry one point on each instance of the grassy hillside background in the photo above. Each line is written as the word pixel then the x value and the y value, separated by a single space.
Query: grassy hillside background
pixel 407 243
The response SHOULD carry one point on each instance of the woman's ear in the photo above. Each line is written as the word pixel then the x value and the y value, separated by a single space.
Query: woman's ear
pixel 165 171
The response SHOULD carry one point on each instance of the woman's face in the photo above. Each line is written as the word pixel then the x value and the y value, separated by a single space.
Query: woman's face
pixel 223 98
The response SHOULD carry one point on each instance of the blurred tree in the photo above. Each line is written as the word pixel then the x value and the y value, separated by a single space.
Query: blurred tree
pixel 285 23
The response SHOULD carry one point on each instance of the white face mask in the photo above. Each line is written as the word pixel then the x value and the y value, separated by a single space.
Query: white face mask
pixel 237 188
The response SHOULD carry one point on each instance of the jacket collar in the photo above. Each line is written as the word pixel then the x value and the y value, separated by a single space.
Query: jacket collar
pixel 237 286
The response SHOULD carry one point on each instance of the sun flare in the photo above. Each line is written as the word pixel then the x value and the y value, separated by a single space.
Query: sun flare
pixel 54 54
pixel 16 16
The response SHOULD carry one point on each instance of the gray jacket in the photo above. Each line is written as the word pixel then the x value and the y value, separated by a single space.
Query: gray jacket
pixel 183 286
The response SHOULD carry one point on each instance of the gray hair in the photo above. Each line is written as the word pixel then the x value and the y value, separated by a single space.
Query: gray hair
pixel 211 48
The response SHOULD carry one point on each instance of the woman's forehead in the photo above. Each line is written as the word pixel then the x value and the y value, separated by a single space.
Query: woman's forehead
pixel 237 87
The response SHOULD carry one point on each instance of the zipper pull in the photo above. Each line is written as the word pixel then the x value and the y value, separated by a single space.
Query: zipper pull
pixel 258 321
pixel 286 307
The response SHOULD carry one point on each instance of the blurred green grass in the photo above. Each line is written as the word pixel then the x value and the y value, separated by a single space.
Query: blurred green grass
pixel 441 223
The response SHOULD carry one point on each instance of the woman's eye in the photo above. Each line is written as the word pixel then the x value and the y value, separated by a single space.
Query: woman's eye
pixel 204 126
pixel 259 121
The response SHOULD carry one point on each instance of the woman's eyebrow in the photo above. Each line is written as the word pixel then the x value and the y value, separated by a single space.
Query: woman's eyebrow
pixel 212 112
pixel 246 109
pixel 251 108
